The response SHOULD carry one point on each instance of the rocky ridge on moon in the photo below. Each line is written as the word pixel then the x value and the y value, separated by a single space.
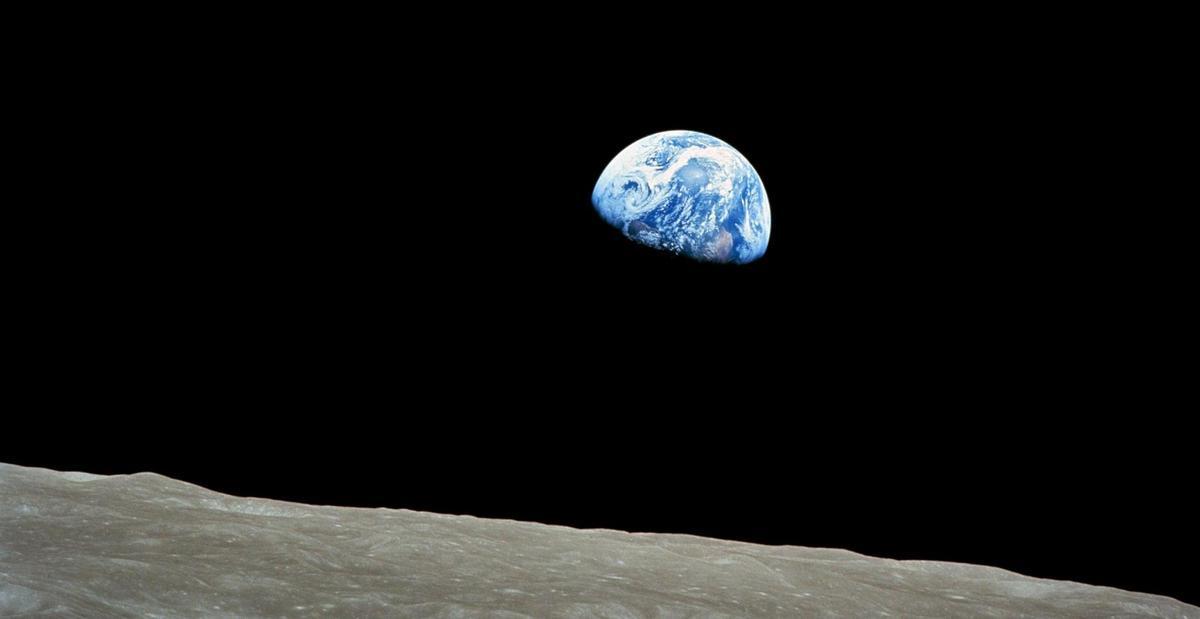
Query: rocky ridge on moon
pixel 79 545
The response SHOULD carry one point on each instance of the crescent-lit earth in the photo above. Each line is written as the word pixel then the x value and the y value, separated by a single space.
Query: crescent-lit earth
pixel 689 193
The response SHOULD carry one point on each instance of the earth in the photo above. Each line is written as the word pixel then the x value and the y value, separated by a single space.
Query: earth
pixel 689 193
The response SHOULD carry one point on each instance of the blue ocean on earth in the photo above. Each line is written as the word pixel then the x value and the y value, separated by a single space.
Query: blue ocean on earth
pixel 689 193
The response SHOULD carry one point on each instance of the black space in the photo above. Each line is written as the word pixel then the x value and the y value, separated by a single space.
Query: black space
pixel 366 272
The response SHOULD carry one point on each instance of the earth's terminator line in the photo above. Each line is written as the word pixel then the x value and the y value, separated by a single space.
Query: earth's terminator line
pixel 688 193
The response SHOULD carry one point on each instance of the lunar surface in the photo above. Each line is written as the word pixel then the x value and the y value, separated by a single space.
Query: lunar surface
pixel 689 193
pixel 79 545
